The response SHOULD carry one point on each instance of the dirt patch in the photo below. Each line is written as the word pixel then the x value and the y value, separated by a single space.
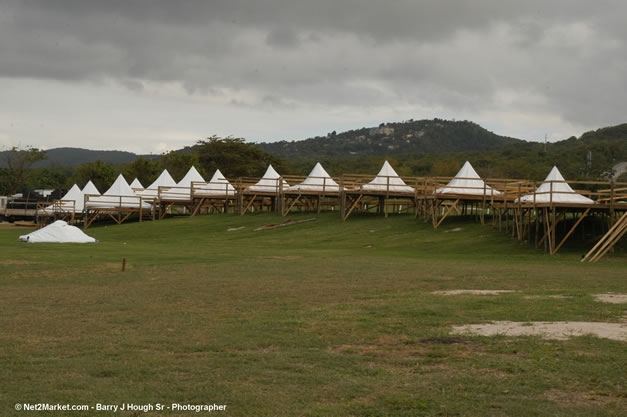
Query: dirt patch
pixel 548 330
pixel 232 229
pixel 611 298
pixel 473 292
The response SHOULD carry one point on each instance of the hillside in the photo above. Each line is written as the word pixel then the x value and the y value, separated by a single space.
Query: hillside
pixel 415 148
pixel 413 136
pixel 77 156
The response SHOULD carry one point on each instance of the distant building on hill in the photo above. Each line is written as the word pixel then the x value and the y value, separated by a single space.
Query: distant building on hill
pixel 383 130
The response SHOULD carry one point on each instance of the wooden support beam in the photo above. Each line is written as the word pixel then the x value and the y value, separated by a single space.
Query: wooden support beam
pixel 89 220
pixel 610 244
pixel 163 211
pixel 572 229
pixel 357 200
pixel 446 213
pixel 550 230
pixel 252 200
pixel 284 213
pixel 604 241
pixel 198 206
pixel 547 226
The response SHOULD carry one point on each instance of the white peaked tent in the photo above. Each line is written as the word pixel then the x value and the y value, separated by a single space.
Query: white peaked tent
pixel 562 193
pixel 72 200
pixel 388 180
pixel 183 189
pixel 268 183
pixel 217 185
pixel 164 180
pixel 467 181
pixel 317 180
pixel 120 194
pixel 136 185
pixel 58 232
pixel 90 189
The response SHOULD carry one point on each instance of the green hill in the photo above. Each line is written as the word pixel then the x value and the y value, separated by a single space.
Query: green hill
pixel 77 156
pixel 590 157
pixel 413 136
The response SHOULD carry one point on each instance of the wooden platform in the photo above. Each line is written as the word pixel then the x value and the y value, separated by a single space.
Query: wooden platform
pixel 118 208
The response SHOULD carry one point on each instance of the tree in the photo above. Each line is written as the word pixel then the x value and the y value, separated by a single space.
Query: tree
pixel 19 161
pixel 178 163
pixel 100 173
pixel 5 183
pixel 146 170
pixel 234 157
pixel 55 178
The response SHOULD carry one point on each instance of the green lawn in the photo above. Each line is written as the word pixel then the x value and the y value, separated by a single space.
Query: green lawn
pixel 316 319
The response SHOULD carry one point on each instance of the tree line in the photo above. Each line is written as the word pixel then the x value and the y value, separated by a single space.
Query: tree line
pixel 587 158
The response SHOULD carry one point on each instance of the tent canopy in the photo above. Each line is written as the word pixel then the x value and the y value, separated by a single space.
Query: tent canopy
pixel 183 189
pixel 164 180
pixel 388 180
pixel 555 189
pixel 136 185
pixel 58 232
pixel 269 183
pixel 72 200
pixel 120 187
pixel 217 185
pixel 119 195
pixel 192 176
pixel 468 182
pixel 317 180
pixel 90 189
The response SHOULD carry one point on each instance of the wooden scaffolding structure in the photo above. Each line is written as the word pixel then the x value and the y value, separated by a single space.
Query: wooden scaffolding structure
pixel 57 210
pixel 117 207
pixel 540 217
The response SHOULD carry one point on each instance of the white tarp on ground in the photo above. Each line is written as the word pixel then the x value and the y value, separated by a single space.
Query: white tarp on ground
pixel 268 183
pixel 58 232
pixel 562 193
pixel 318 180
pixel 90 189
pixel 467 181
pixel 119 195
pixel 388 180
pixel 164 180
pixel 136 185
pixel 182 190
pixel 73 200
pixel 217 186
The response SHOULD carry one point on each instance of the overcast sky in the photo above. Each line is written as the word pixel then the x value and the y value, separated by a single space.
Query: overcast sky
pixel 154 75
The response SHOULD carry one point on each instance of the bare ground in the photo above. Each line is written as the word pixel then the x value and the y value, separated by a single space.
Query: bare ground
pixel 548 330
pixel 611 298
pixel 475 292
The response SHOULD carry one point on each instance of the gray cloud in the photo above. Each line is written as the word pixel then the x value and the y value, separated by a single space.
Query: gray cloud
pixel 565 58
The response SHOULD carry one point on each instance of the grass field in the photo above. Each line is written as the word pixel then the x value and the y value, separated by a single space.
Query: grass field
pixel 315 319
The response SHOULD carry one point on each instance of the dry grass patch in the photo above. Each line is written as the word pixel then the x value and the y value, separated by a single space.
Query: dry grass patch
pixel 578 398
pixel 15 262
